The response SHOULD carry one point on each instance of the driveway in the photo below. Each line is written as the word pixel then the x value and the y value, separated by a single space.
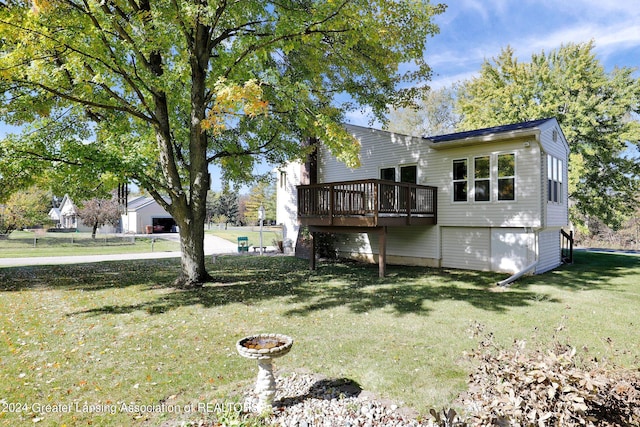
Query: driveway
pixel 212 245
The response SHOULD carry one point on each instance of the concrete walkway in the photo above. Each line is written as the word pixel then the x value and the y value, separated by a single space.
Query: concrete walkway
pixel 212 245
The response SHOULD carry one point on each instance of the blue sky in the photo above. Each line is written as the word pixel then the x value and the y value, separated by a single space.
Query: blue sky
pixel 474 30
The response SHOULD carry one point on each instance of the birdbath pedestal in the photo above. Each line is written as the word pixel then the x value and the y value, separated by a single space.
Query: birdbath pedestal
pixel 264 348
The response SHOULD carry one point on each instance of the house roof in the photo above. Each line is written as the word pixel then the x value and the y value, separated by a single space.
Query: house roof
pixel 141 202
pixel 54 213
pixel 477 133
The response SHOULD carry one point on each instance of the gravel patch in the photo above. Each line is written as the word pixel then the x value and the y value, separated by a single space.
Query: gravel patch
pixel 305 400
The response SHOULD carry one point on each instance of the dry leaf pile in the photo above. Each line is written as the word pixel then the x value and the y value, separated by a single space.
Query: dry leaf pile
pixel 514 387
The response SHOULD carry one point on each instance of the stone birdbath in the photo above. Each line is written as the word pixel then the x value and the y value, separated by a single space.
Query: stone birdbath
pixel 264 348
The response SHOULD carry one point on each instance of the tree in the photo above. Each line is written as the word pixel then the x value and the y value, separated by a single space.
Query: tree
pixel 262 194
pixel 433 114
pixel 27 208
pixel 97 212
pixel 594 108
pixel 154 92
pixel 223 205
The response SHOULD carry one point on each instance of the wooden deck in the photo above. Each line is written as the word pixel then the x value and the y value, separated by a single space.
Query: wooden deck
pixel 367 203
pixel 367 206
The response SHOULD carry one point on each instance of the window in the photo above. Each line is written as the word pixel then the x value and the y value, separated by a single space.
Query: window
pixel 506 177
pixel 482 179
pixel 409 174
pixel 388 174
pixel 555 175
pixel 388 191
pixel 283 179
pixel 460 180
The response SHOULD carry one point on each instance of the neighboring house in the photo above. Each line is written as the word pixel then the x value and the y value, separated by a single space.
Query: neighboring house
pixel 145 215
pixel 492 199
pixel 65 217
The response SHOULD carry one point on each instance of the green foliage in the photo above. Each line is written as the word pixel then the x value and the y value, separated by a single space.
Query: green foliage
pixel 262 194
pixel 223 207
pixel 28 208
pixel 595 109
pixel 154 92
pixel 433 114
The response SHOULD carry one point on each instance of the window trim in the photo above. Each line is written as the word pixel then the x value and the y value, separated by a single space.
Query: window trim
pixel 509 177
pixel 555 180
pixel 454 180
pixel 487 179
pixel 494 178
pixel 395 171
pixel 408 165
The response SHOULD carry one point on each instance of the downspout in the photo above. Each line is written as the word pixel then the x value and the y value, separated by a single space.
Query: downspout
pixel 524 271
pixel 518 275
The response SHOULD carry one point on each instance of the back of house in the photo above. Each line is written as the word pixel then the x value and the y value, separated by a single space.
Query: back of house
pixel 501 197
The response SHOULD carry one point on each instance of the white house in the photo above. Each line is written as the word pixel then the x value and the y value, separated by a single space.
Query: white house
pixel 491 199
pixel 145 215
pixel 66 217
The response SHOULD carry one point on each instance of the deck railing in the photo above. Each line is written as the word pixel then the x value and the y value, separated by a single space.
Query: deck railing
pixel 566 245
pixel 368 199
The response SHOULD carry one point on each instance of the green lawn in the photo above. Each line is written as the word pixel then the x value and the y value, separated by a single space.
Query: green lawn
pixel 109 336
pixel 23 244
pixel 269 234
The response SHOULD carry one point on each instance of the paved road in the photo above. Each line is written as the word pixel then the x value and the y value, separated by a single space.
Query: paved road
pixel 212 245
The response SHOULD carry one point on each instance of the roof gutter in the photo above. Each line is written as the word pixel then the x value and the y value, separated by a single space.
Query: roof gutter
pixel 493 137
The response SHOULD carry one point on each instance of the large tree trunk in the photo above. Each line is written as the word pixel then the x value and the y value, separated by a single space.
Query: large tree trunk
pixel 193 273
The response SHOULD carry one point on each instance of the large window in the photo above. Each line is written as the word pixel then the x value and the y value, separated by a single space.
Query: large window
pixel 506 177
pixel 460 180
pixel 555 175
pixel 482 179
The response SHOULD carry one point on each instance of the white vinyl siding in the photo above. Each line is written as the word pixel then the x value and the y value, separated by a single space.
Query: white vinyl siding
pixel 556 214
pixel 466 248
pixel 525 211
pixel 409 242
pixel 379 150
pixel 512 249
pixel 549 250
pixel 287 203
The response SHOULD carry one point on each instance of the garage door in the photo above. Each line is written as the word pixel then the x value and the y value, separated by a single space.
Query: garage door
pixel 466 247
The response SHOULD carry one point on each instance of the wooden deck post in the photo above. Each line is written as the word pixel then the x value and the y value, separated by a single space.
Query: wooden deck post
pixel 382 249
pixel 312 256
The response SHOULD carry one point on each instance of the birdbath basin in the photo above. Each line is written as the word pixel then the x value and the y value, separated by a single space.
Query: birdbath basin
pixel 264 348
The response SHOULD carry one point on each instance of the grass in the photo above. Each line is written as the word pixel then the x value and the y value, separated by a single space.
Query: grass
pixel 115 335
pixel 23 244
pixel 269 234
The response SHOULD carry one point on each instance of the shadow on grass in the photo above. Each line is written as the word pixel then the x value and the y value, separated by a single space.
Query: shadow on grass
pixel 90 276
pixel 252 280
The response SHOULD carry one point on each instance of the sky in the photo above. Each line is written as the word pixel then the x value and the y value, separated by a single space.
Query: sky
pixel 472 31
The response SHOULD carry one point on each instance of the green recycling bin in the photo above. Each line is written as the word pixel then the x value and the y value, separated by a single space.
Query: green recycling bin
pixel 243 244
